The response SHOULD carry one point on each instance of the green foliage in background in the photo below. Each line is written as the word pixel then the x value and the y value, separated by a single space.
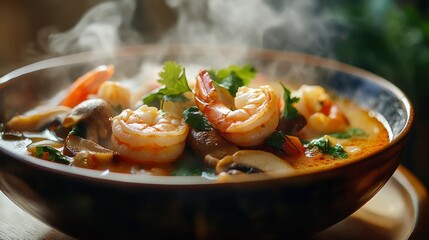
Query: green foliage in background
pixel 391 39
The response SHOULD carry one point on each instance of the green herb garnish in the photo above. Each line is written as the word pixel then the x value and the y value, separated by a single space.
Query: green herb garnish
pixel 196 119
pixel 118 109
pixel 52 154
pixel 352 132
pixel 173 78
pixel 324 146
pixel 289 111
pixel 276 140
pixel 233 77
pixel 282 142
pixel 79 130
pixel 337 151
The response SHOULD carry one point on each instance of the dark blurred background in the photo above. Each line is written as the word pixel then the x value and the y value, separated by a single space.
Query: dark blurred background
pixel 387 37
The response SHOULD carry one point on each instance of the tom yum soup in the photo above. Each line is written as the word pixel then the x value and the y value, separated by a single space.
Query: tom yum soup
pixel 217 124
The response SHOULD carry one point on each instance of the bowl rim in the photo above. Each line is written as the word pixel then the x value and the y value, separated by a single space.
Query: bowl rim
pixel 196 181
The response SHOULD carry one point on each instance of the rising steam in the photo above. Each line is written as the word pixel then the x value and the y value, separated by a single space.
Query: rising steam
pixel 286 25
pixel 103 28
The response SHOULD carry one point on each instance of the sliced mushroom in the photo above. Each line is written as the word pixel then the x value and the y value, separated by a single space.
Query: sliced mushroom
pixel 210 145
pixel 263 161
pixel 95 113
pixel 291 126
pixel 75 145
pixel 32 147
pixel 35 122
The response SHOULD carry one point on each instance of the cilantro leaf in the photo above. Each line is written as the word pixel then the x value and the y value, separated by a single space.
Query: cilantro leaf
pixel 245 73
pixel 233 77
pixel 173 78
pixel 154 100
pixel 287 144
pixel 79 130
pixel 196 119
pixel 52 154
pixel 324 146
pixel 276 140
pixel 175 98
pixel 289 111
pixel 352 132
pixel 232 83
pixel 338 151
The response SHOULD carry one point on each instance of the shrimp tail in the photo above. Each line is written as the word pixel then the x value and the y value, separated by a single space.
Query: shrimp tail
pixel 207 100
pixel 252 117
pixel 206 91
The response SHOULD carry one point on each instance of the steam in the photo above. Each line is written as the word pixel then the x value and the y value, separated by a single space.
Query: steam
pixel 286 25
pixel 220 22
pixel 296 25
pixel 102 29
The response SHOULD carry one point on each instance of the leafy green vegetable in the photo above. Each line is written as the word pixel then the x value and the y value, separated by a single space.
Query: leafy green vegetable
pixel 231 83
pixel 53 154
pixel 154 99
pixel 196 119
pixel 352 132
pixel 173 78
pixel 289 145
pixel 324 146
pixel 276 140
pixel 337 151
pixel 118 109
pixel 289 111
pixel 79 130
pixel 233 77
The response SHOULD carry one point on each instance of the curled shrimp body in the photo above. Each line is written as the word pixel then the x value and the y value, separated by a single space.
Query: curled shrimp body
pixel 255 117
pixel 149 135
pixel 318 108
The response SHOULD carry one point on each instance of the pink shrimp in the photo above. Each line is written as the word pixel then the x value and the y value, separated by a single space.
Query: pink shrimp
pixel 254 118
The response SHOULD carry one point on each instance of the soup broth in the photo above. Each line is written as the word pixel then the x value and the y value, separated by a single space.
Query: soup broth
pixel 215 127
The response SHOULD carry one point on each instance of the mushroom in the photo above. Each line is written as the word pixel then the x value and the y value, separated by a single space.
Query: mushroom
pixel 35 122
pixel 32 147
pixel 291 126
pixel 253 161
pixel 95 114
pixel 210 145
pixel 75 146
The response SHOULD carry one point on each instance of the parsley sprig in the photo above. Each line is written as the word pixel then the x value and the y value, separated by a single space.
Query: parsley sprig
pixel 282 142
pixel 233 77
pixel 324 145
pixel 350 133
pixel 289 111
pixel 173 78
pixel 51 154
pixel 196 119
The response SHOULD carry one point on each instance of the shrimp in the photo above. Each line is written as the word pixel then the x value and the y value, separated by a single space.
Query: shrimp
pixel 149 135
pixel 115 94
pixel 87 84
pixel 319 110
pixel 255 117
